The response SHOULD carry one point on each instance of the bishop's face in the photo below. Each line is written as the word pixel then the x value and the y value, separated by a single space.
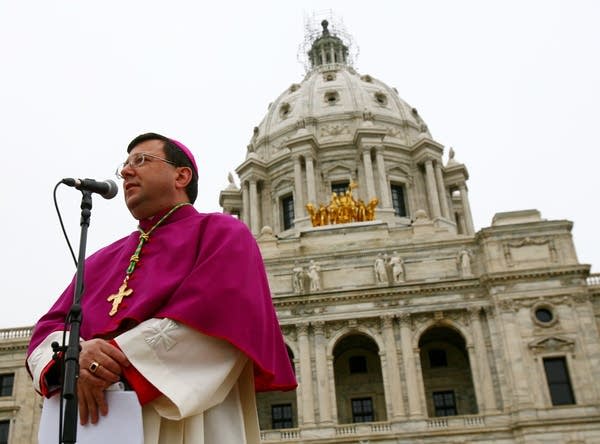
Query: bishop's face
pixel 151 187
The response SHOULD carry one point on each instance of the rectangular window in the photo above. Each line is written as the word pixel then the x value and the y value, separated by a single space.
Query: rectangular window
pixel 287 209
pixel 559 383
pixel 398 200
pixel 281 416
pixel 444 403
pixel 362 410
pixel 6 384
pixel 4 426
pixel 340 187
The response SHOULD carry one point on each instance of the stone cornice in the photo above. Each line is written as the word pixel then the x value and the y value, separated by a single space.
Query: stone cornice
pixel 419 288
pixel 578 270
pixel 499 232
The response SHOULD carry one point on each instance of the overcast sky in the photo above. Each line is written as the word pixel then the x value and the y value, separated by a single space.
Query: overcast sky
pixel 513 86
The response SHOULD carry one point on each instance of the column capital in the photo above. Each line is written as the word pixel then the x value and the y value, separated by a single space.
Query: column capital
pixel 475 310
pixel 302 328
pixel 404 319
pixel 319 327
pixel 387 320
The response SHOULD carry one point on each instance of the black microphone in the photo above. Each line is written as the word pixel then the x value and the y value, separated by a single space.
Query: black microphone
pixel 106 188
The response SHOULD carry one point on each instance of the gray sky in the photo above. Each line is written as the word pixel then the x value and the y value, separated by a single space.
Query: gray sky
pixel 513 86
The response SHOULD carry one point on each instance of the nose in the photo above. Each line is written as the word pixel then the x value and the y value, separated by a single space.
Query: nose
pixel 127 171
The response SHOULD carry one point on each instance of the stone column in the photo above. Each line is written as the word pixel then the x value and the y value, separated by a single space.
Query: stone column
pixel 310 180
pixel 439 178
pixel 386 200
pixel 323 58
pixel 254 207
pixel 366 154
pixel 308 408
pixel 332 51
pixel 432 194
pixel 322 373
pixel 393 368
pixel 521 390
pixel 466 208
pixel 410 368
pixel 245 204
pixel 298 195
pixel 486 386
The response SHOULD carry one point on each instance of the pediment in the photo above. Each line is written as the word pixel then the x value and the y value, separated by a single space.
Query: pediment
pixel 552 344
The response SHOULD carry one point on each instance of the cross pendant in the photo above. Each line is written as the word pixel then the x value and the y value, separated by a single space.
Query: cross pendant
pixel 117 298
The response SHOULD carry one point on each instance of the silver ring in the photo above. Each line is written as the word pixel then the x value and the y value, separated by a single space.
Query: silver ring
pixel 94 366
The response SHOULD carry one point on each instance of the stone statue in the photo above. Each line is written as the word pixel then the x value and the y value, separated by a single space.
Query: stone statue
pixel 464 262
pixel 380 270
pixel 313 275
pixel 397 265
pixel 298 279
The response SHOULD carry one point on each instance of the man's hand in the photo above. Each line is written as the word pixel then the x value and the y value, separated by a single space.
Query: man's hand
pixel 92 384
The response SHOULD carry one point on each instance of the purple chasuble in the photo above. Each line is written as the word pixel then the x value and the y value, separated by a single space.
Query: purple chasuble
pixel 203 270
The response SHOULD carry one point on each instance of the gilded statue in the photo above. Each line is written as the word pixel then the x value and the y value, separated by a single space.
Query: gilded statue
pixel 342 209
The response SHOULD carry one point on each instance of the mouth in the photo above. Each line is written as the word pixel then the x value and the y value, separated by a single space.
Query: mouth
pixel 130 185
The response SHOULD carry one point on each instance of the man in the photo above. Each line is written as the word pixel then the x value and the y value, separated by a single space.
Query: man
pixel 180 311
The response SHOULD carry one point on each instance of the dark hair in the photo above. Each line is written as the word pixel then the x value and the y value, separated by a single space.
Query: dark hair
pixel 172 154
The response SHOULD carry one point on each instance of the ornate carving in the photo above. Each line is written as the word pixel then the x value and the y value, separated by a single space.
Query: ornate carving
pixel 387 320
pixel 302 328
pixel 507 305
pixel 319 327
pixel 335 129
pixel 552 344
pixel 405 320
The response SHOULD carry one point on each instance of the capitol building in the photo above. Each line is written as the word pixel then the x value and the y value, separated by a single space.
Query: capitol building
pixel 404 323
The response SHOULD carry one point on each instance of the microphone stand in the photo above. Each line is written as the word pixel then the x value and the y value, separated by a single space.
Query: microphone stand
pixel 74 319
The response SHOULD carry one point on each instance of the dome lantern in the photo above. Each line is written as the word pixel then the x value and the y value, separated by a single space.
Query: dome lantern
pixel 327 49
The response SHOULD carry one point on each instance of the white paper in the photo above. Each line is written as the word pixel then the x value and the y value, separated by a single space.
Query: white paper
pixel 122 425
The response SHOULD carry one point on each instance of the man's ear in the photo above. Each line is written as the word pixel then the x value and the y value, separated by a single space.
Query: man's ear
pixel 184 177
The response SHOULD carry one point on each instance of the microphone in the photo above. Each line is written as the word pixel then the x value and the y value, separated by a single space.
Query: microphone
pixel 105 188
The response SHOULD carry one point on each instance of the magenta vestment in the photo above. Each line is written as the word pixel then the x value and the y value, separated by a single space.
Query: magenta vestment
pixel 203 270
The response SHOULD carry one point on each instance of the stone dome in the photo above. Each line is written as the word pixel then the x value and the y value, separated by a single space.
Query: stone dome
pixel 331 103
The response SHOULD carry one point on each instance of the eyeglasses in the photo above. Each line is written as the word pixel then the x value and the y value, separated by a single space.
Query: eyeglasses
pixel 137 160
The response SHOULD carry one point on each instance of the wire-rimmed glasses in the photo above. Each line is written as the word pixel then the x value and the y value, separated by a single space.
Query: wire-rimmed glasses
pixel 137 160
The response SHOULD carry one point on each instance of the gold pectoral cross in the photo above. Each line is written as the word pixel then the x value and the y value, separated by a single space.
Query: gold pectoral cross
pixel 117 298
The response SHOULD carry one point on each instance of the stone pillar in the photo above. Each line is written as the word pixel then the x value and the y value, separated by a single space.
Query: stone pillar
pixel 323 58
pixel 432 194
pixel 322 373
pixel 393 368
pixel 254 207
pixel 386 200
pixel 410 368
pixel 308 408
pixel 521 390
pixel 466 208
pixel 332 51
pixel 486 386
pixel 245 204
pixel 298 195
pixel 439 178
pixel 366 154
pixel 310 180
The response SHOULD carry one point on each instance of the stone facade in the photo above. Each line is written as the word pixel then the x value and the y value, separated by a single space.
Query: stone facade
pixel 422 329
